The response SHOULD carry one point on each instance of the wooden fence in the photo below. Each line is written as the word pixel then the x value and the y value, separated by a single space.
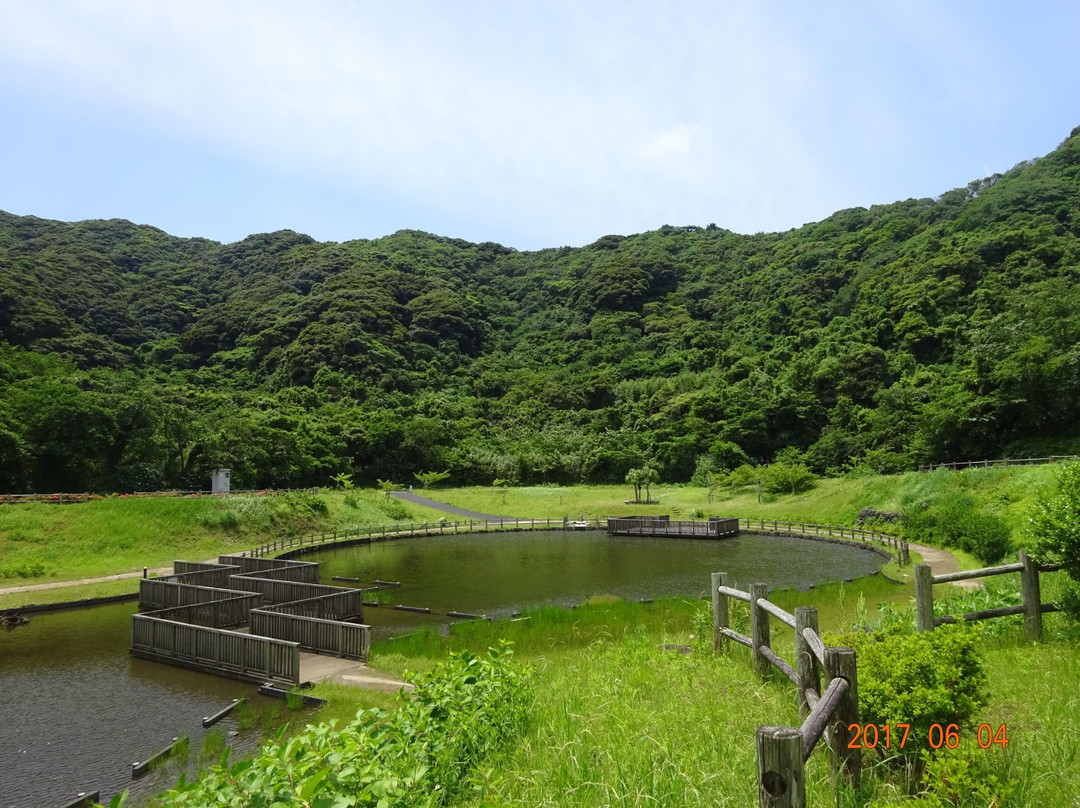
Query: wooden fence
pixel 226 613
pixel 348 640
pixel 245 656
pixel 274 592
pixel 54 499
pixel 161 593
pixel 783 751
pixel 1001 463
pixel 903 553
pixel 1032 606
pixel 275 568
pixel 301 543
pixel 206 575
pixel 345 604
pixel 714 528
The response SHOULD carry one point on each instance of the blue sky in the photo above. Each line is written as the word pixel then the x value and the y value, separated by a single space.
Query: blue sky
pixel 533 125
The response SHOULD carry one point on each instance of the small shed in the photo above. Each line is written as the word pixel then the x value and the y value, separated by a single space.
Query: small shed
pixel 219 481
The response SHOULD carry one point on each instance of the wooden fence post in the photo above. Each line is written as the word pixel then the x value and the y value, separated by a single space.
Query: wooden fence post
pixel 1029 588
pixel 924 598
pixel 759 628
pixel 806 664
pixel 841 663
pixel 719 612
pixel 781 776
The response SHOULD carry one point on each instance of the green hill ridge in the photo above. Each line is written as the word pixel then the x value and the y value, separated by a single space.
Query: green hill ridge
pixel 925 330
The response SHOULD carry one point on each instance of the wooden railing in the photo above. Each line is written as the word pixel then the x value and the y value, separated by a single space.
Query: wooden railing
pixel 348 640
pixel 274 568
pixel 903 554
pixel 160 593
pixel 56 499
pixel 1000 463
pixel 1032 606
pixel 782 752
pixel 250 657
pixel 646 526
pixel 411 529
pixel 226 613
pixel 342 605
pixel 275 592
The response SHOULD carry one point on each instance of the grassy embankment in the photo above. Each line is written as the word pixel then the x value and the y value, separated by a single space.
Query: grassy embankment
pixel 42 543
pixel 619 721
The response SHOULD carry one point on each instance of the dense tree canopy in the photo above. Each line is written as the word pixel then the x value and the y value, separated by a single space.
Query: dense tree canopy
pixel 930 329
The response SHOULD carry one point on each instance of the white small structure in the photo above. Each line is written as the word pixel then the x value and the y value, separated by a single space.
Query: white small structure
pixel 219 481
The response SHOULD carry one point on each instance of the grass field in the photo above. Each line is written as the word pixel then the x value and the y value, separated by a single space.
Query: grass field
pixel 619 721
pixel 1008 492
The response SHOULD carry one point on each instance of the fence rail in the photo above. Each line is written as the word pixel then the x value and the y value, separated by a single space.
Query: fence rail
pixel 294 543
pixel 1000 463
pixel 1031 607
pixel 55 499
pixel 246 656
pixel 783 751
pixel 646 526
pixel 347 640
pixel 159 593
pixel 903 554
pixel 342 605
pixel 275 592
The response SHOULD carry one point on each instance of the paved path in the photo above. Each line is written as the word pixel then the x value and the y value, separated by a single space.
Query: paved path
pixel 416 499
pixel 81 581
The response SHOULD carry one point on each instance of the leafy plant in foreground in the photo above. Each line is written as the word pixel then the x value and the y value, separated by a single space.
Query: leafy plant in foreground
pixel 462 713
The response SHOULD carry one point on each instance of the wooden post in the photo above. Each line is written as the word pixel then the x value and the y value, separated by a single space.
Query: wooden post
pixel 781 776
pixel 719 612
pixel 840 662
pixel 924 598
pixel 806 664
pixel 759 628
pixel 1029 588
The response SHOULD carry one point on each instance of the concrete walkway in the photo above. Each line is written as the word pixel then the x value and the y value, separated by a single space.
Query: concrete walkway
pixel 416 499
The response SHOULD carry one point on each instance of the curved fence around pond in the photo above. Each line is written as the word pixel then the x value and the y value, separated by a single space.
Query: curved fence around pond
pixel 295 545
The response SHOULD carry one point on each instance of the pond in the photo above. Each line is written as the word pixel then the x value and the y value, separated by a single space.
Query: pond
pixel 497 574
pixel 76 710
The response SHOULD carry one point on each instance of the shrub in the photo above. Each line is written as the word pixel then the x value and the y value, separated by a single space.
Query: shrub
pixel 917 679
pixel 466 710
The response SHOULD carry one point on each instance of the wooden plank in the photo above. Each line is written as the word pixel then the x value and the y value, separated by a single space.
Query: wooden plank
pixel 784 617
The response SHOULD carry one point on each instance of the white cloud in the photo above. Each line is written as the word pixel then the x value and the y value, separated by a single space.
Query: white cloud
pixel 566 118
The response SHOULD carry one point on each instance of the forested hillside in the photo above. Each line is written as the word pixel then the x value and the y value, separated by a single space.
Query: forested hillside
pixel 930 329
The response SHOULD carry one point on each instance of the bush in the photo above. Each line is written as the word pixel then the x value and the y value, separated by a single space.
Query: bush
pixel 465 711
pixel 1055 521
pixel 786 478
pixel 917 679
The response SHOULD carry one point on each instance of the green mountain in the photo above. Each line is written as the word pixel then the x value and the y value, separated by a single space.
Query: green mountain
pixel 929 329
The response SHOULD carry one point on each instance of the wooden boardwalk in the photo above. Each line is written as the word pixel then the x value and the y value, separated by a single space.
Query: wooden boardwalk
pixel 254 619
pixel 663 526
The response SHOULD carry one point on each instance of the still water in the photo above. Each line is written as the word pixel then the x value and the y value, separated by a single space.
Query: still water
pixel 76 710
pixel 497 574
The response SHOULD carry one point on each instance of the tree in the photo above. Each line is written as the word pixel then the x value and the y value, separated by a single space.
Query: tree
pixel 636 478
pixel 427 478
pixel 781 477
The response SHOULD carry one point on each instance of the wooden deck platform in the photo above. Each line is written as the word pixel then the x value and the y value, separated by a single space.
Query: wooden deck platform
pixel 663 526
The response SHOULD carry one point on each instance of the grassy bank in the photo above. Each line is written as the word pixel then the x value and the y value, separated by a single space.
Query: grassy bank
pixel 1007 492
pixel 619 720
pixel 41 543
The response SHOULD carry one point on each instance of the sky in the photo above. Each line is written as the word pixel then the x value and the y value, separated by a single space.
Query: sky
pixel 534 125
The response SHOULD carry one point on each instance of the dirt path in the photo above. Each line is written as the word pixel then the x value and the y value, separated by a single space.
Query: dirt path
pixel 941 562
